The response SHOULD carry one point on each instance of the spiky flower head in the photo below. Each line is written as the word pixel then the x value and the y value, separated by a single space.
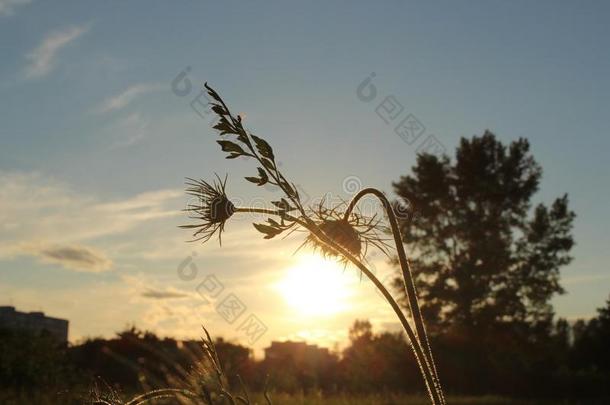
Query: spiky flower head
pixel 343 233
pixel 354 233
pixel 212 210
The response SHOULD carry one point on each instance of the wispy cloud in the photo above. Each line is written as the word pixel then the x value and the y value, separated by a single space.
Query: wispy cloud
pixel 127 96
pixel 47 219
pixel 163 294
pixel 72 257
pixel 7 7
pixel 129 131
pixel 43 58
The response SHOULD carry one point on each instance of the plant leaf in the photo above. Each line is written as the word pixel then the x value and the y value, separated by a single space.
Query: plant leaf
pixel 283 205
pixel 212 92
pixel 224 126
pixel 262 173
pixel 228 146
pixel 273 223
pixel 261 180
pixel 290 190
pixel 263 147
pixel 269 231
pixel 219 109
pixel 268 164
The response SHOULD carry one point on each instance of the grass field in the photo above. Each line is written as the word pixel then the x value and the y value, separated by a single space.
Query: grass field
pixel 279 399
pixel 284 399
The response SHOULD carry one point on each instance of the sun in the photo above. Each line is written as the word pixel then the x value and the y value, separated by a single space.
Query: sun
pixel 316 287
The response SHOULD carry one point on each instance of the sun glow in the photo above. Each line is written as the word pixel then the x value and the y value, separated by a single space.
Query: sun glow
pixel 316 286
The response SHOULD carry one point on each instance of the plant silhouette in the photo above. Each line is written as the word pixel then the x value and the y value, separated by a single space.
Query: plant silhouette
pixel 339 232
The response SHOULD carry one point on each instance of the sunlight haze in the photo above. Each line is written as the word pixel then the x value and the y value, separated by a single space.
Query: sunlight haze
pixel 98 133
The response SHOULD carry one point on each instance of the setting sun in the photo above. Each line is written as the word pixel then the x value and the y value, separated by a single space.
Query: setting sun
pixel 316 286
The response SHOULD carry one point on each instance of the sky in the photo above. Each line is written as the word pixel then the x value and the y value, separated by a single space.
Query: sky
pixel 101 121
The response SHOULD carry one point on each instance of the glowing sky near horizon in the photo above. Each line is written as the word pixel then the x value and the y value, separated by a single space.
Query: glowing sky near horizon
pixel 95 146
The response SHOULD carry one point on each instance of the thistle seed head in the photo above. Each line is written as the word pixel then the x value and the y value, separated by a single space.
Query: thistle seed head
pixel 356 233
pixel 212 209
pixel 342 233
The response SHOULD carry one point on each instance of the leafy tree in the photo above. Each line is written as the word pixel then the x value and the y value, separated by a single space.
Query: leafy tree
pixel 131 359
pixel 32 360
pixel 590 351
pixel 235 359
pixel 482 256
pixel 361 331
pixel 373 362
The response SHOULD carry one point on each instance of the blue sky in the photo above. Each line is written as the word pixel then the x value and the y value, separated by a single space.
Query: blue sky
pixel 95 145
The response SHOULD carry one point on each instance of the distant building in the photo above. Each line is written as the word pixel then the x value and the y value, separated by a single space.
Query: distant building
pixel 298 365
pixel 299 353
pixel 33 321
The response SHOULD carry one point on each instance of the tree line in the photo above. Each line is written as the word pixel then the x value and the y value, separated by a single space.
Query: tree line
pixel 572 361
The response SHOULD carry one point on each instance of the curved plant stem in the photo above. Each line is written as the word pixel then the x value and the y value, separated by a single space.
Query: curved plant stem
pixel 265 392
pixel 419 352
pixel 415 343
pixel 408 281
pixel 162 393
pixel 264 211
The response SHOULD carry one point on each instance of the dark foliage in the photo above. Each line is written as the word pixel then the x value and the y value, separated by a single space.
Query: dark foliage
pixel 570 362
pixel 29 359
pixel 591 343
pixel 483 259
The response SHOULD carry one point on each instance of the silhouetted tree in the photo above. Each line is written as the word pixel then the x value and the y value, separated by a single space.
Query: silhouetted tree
pixel 236 360
pixel 592 342
pixel 376 362
pixel 30 360
pixel 132 359
pixel 481 255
